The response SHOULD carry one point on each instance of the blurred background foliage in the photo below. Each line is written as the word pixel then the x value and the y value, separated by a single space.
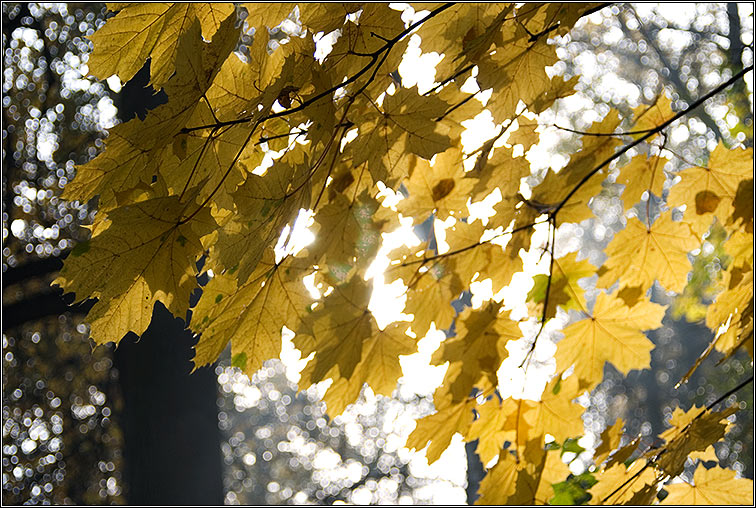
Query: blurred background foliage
pixel 62 441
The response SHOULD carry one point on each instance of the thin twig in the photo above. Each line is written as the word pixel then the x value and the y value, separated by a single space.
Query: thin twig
pixel 653 461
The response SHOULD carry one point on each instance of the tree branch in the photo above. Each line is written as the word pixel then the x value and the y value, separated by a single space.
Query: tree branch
pixel 659 128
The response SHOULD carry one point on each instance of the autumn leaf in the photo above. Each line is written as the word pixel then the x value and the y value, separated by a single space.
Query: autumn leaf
pixel 649 117
pixel 436 431
pixel 521 67
pixel 640 254
pixel 251 316
pixel 496 424
pixel 612 333
pixel 642 174
pixel 714 486
pixel 564 290
pixel 479 345
pixel 618 484
pixel 610 440
pixel 440 189
pixel 708 191
pixel 692 431
pixel 378 367
pixel 142 31
pixel 146 254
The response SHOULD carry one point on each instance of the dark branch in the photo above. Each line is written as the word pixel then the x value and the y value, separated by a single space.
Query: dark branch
pixel 659 128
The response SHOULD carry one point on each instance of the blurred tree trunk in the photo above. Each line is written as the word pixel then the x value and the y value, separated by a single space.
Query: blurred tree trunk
pixel 170 418
pixel 172 442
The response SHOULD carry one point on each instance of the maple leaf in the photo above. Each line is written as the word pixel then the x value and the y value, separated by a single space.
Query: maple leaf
pixel 708 191
pixel 439 428
pixel 649 117
pixel 502 170
pixel 440 189
pixel 640 254
pixel 346 231
pixel 692 431
pixel 430 289
pixel 521 67
pixel 484 258
pixel 447 34
pixel 555 412
pixel 480 346
pixel 406 125
pixel 618 484
pixel 378 367
pixel 136 148
pixel 494 426
pixel 642 174
pixel 610 440
pixel 716 486
pixel 564 290
pixel 251 316
pixel 511 482
pixel 611 333
pixel 146 254
pixel 337 329
pixel 140 31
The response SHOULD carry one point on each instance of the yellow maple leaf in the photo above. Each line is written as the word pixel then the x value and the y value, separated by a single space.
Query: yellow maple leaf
pixel 480 347
pixel 439 428
pixel 251 315
pixel 495 425
pixel 441 188
pixel 612 332
pixel 379 367
pixel 640 254
pixel 486 259
pixel 146 254
pixel 649 117
pixel 347 233
pixel 406 125
pixel 337 329
pixel 708 191
pixel 502 171
pixel 692 431
pixel 524 482
pixel 564 290
pixel 500 482
pixel 446 33
pixel 716 486
pixel 555 413
pixel 517 73
pixel 610 440
pixel 136 149
pixel 430 289
pixel 733 307
pixel 618 484
pixel 642 174
pixel 150 30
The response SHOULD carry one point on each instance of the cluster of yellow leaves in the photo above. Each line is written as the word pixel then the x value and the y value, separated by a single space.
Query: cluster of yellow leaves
pixel 243 145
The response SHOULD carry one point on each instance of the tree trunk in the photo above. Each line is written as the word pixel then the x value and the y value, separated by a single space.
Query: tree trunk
pixel 172 441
